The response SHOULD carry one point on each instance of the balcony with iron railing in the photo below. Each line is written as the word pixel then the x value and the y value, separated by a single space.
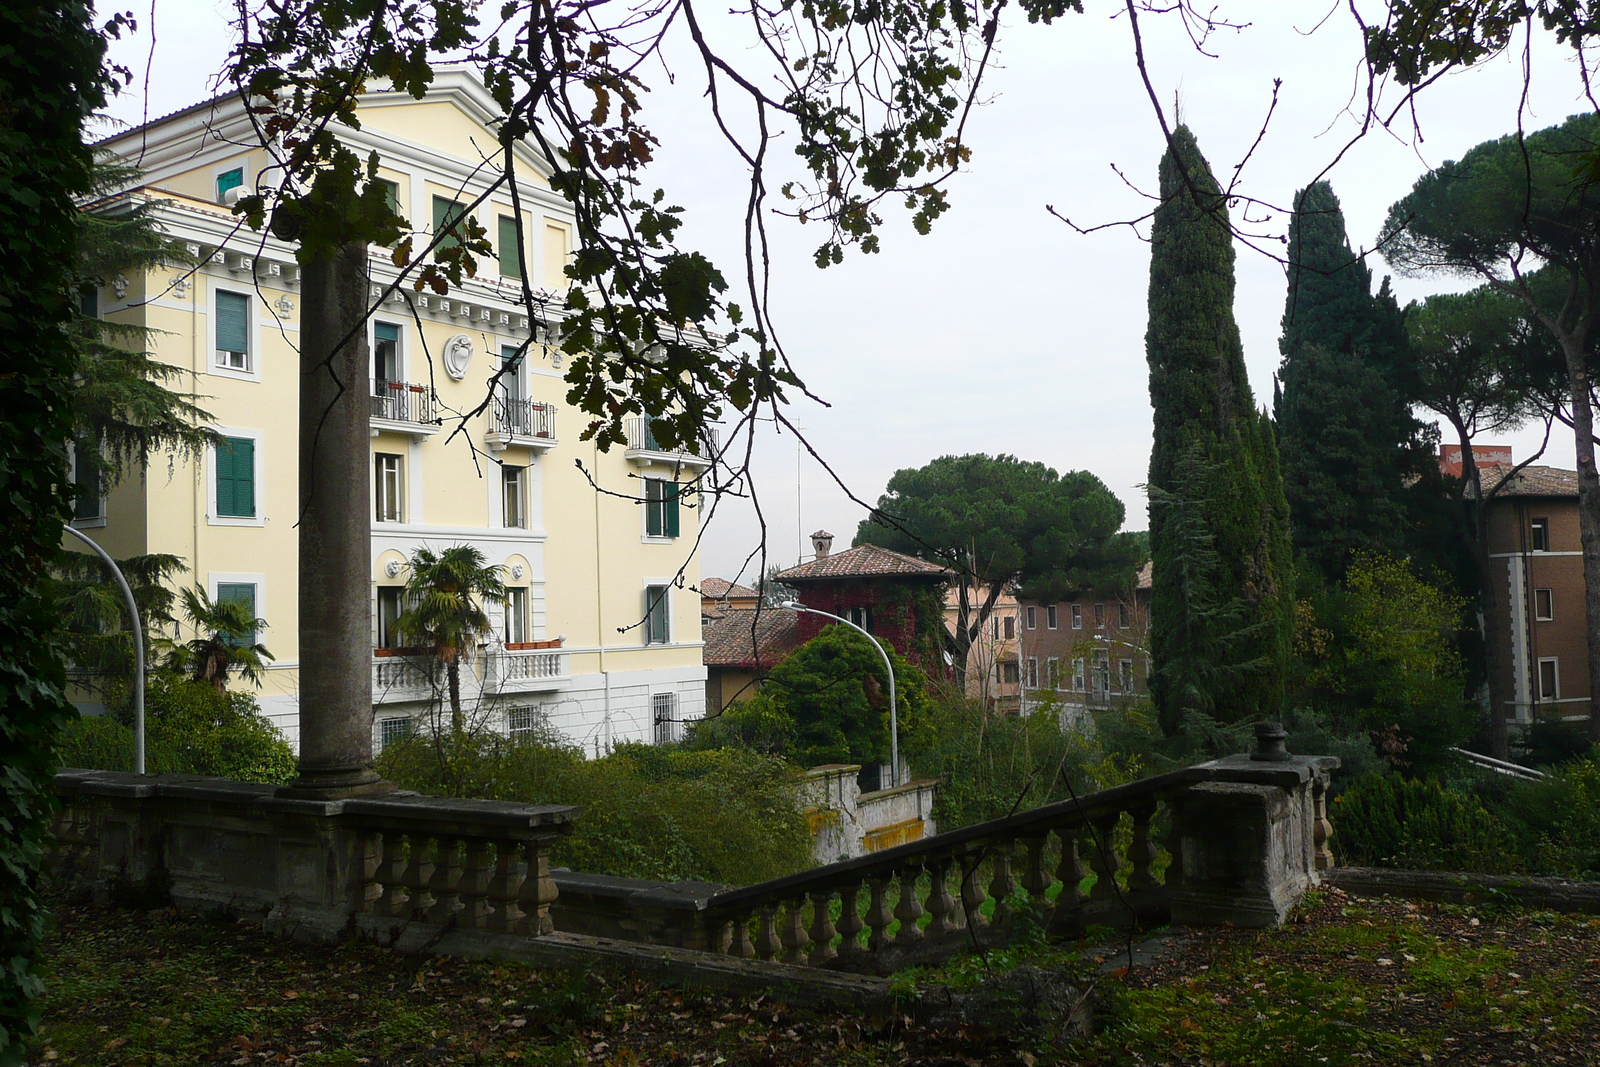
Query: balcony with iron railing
pixel 404 407
pixel 525 423
pixel 645 448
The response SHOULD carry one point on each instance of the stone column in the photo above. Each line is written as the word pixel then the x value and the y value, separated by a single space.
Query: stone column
pixel 335 532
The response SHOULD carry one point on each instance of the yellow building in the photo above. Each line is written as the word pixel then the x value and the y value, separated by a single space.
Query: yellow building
pixel 577 647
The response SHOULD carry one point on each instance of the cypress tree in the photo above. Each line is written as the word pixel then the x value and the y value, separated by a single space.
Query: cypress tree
pixel 1346 436
pixel 1222 600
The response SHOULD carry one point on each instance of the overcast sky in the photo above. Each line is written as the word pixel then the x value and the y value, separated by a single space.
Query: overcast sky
pixel 1004 331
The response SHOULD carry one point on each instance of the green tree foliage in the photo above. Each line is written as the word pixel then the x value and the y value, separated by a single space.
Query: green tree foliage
pixel 124 406
pixel 1378 651
pixel 444 613
pixel 98 641
pixel 1507 203
pixel 52 78
pixel 1386 820
pixel 727 815
pixel 224 642
pixel 191 728
pixel 834 690
pixel 1345 431
pixel 998 522
pixel 1222 608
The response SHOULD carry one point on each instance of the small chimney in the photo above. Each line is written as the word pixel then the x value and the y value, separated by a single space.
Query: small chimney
pixel 822 541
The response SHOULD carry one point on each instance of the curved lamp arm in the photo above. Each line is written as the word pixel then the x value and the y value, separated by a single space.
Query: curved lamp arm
pixel 138 646
pixel 894 719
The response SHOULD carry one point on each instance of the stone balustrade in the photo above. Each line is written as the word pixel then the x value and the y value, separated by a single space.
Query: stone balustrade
pixel 310 868
pixel 1234 841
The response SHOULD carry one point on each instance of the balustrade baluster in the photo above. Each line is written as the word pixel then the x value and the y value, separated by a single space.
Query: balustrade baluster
pixel 850 924
pixel 1036 879
pixel 505 886
pixel 418 872
pixel 972 891
pixel 391 867
pixel 1142 851
pixel 1071 872
pixel 446 881
pixel 474 885
pixel 943 915
pixel 720 937
pixel 822 930
pixel 1174 873
pixel 909 909
pixel 1002 884
pixel 739 942
pixel 1103 856
pixel 878 914
pixel 371 857
pixel 1321 828
pixel 793 931
pixel 538 892
pixel 767 943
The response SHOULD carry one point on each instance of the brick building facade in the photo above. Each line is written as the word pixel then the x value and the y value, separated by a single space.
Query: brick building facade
pixel 1088 653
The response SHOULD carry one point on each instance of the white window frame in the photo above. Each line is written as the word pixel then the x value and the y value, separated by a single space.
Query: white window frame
pixel 1077 616
pixel 252 371
pixel 212 518
pixel 1553 698
pixel 216 578
pixel 1538 523
pixel 1550 599
pixel 1052 617
pixel 537 718
pixel 377 488
pixel 1125 676
pixel 1033 672
pixel 377 613
pixel 1079 675
pixel 1011 625
pixel 513 609
pixel 645 536
pixel 1033 617
pixel 521 482
pixel 97 520
pixel 399 349
pixel 384 724
pixel 664 701
pixel 1052 672
pixel 238 163
pixel 646 637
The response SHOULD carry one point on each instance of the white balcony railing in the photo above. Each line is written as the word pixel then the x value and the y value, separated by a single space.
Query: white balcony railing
pixel 523 669
pixel 643 444
pixel 403 678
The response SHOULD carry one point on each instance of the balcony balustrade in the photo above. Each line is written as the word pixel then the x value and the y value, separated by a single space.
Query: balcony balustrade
pixel 405 406
pixel 513 421
pixel 644 447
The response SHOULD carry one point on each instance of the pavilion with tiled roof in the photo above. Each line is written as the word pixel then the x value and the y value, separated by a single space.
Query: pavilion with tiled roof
pixel 863 561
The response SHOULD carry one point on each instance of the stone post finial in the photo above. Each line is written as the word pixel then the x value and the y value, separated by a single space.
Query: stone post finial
pixel 1271 743
pixel 822 541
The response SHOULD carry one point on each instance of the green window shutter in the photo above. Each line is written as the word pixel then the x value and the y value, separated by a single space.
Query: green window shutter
pixel 670 505
pixel 446 213
pixel 391 194
pixel 510 250
pixel 230 179
pixel 236 478
pixel 233 322
pixel 386 331
pixel 242 593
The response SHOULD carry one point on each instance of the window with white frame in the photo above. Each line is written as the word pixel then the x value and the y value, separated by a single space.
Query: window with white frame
pixel 234 477
pixel 1539 531
pixel 1077 676
pixel 233 331
pixel 1051 617
pixel 1124 617
pixel 88 503
pixel 244 595
pixel 1101 678
pixel 390 730
pixel 525 719
pixel 1011 625
pixel 1033 617
pixel 1544 605
pixel 388 483
pixel 516 608
pixel 1125 673
pixel 1009 672
pixel 657 618
pixel 862 617
pixel 1549 679
pixel 391 605
pixel 1099 616
pixel 664 714
pixel 1077 617
pixel 514 496
pixel 227 181
pixel 1052 673
pixel 660 508
pixel 1033 672
pixel 385 357
pixel 994 625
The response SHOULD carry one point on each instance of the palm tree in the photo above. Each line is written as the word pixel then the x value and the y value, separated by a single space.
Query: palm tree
pixel 443 612
pixel 224 641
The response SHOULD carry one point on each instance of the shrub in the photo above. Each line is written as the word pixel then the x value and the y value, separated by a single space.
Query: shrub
pixel 190 728
pixel 720 815
pixel 1556 821
pixel 1386 820
pixel 758 724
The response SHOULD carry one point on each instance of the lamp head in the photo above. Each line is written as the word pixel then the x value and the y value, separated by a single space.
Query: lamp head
pixel 788 604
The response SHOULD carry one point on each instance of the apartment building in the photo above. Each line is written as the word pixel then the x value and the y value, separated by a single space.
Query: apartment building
pixel 1088 653
pixel 994 670
pixel 600 636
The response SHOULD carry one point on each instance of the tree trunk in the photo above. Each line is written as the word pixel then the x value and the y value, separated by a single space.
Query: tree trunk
pixel 1588 507
pixel 1491 624
pixel 335 532
pixel 452 673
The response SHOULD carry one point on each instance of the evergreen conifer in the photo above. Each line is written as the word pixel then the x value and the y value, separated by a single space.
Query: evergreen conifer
pixel 1222 601
pixel 1345 432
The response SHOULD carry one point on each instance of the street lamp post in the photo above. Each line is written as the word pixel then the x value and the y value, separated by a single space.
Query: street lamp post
pixel 138 647
pixel 894 718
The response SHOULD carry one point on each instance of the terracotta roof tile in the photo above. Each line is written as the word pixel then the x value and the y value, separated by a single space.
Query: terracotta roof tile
pixel 1530 481
pixel 863 561
pixel 722 589
pixel 750 638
